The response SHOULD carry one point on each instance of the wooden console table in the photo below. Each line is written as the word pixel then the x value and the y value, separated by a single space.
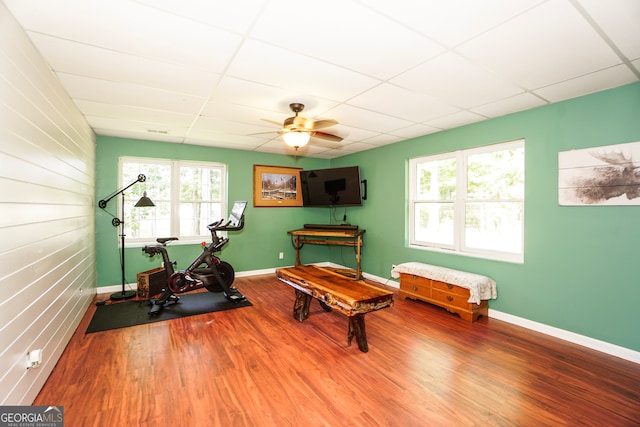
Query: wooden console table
pixel 351 298
pixel 331 236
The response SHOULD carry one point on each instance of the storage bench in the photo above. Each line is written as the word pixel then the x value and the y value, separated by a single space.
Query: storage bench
pixel 459 292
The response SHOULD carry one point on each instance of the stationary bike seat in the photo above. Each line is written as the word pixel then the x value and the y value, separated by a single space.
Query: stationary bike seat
pixel 163 240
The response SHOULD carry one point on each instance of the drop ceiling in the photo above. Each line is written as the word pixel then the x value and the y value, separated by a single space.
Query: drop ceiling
pixel 217 73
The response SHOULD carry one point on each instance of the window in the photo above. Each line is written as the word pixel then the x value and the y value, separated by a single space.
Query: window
pixel 187 195
pixel 469 202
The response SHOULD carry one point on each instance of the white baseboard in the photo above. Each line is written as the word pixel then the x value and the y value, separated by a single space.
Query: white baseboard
pixel 602 346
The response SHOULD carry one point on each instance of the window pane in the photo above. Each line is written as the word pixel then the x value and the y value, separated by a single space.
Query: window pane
pixel 149 222
pixel 434 223
pixel 436 180
pixel 194 217
pixel 158 180
pixel 494 226
pixel 200 192
pixel 200 183
pixel 497 175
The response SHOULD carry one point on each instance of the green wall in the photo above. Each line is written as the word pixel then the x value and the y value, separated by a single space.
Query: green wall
pixel 579 269
pixel 580 263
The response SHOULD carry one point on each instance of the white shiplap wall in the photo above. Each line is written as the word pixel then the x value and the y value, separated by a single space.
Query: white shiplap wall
pixel 47 233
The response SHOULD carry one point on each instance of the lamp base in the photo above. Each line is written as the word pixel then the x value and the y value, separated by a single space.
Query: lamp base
pixel 123 295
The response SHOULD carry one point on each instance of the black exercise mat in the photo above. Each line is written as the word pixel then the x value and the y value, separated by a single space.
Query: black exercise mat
pixel 131 313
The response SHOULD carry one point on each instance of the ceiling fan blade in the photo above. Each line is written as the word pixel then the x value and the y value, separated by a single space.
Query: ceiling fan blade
pixel 261 133
pixel 272 122
pixel 321 124
pixel 327 136
pixel 302 123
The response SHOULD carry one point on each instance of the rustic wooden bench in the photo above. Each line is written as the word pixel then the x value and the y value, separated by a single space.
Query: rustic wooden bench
pixel 334 291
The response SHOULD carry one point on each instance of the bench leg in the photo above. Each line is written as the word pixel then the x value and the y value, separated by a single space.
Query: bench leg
pixel 301 306
pixel 356 328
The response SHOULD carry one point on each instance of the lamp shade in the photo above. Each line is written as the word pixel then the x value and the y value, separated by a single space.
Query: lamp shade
pixel 296 139
pixel 144 201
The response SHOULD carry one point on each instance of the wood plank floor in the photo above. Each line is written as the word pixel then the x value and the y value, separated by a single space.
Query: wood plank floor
pixel 257 366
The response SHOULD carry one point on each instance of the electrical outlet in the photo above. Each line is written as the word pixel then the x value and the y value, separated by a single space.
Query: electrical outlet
pixel 281 255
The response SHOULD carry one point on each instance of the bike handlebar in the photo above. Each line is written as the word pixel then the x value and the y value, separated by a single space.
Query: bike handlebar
pixel 223 225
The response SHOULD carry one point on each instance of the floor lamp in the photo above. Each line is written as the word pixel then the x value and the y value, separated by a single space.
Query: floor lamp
pixel 143 202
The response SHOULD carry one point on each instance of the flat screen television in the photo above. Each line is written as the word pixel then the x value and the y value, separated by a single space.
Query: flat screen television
pixel 331 187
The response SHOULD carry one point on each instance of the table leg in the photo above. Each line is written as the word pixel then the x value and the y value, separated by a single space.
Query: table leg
pixel 358 258
pixel 297 239
pixel 356 328
pixel 301 306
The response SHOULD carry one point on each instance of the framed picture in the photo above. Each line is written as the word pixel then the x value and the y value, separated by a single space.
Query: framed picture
pixel 276 186
pixel 600 176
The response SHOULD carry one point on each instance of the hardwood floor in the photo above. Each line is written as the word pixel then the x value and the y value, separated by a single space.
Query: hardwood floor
pixel 257 366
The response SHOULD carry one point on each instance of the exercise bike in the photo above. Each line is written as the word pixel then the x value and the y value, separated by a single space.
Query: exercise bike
pixel 206 271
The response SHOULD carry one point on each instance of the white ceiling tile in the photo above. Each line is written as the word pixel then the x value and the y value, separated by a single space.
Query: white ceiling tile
pixel 453 21
pixel 523 101
pixel 143 128
pixel 86 88
pixel 365 119
pixel 457 81
pixel 123 133
pixel 620 19
pixel 609 78
pixel 168 118
pixel 238 113
pixel 454 120
pixel 128 26
pixel 236 15
pixel 355 147
pixel 232 90
pixel 222 139
pixel 223 125
pixel 546 45
pixel 284 69
pixel 382 139
pixel 414 131
pixel 84 60
pixel 399 102
pixel 346 33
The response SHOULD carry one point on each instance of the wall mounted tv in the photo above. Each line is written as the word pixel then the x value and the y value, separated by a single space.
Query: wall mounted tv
pixel 332 187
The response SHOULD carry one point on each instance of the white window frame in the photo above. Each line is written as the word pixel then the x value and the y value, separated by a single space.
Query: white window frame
pixel 459 203
pixel 174 199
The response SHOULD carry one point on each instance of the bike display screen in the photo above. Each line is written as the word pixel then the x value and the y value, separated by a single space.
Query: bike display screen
pixel 236 213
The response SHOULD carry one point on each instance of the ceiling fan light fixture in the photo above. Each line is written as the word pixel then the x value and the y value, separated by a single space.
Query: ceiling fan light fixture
pixel 296 139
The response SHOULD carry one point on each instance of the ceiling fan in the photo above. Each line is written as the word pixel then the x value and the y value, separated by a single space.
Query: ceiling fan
pixel 297 130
